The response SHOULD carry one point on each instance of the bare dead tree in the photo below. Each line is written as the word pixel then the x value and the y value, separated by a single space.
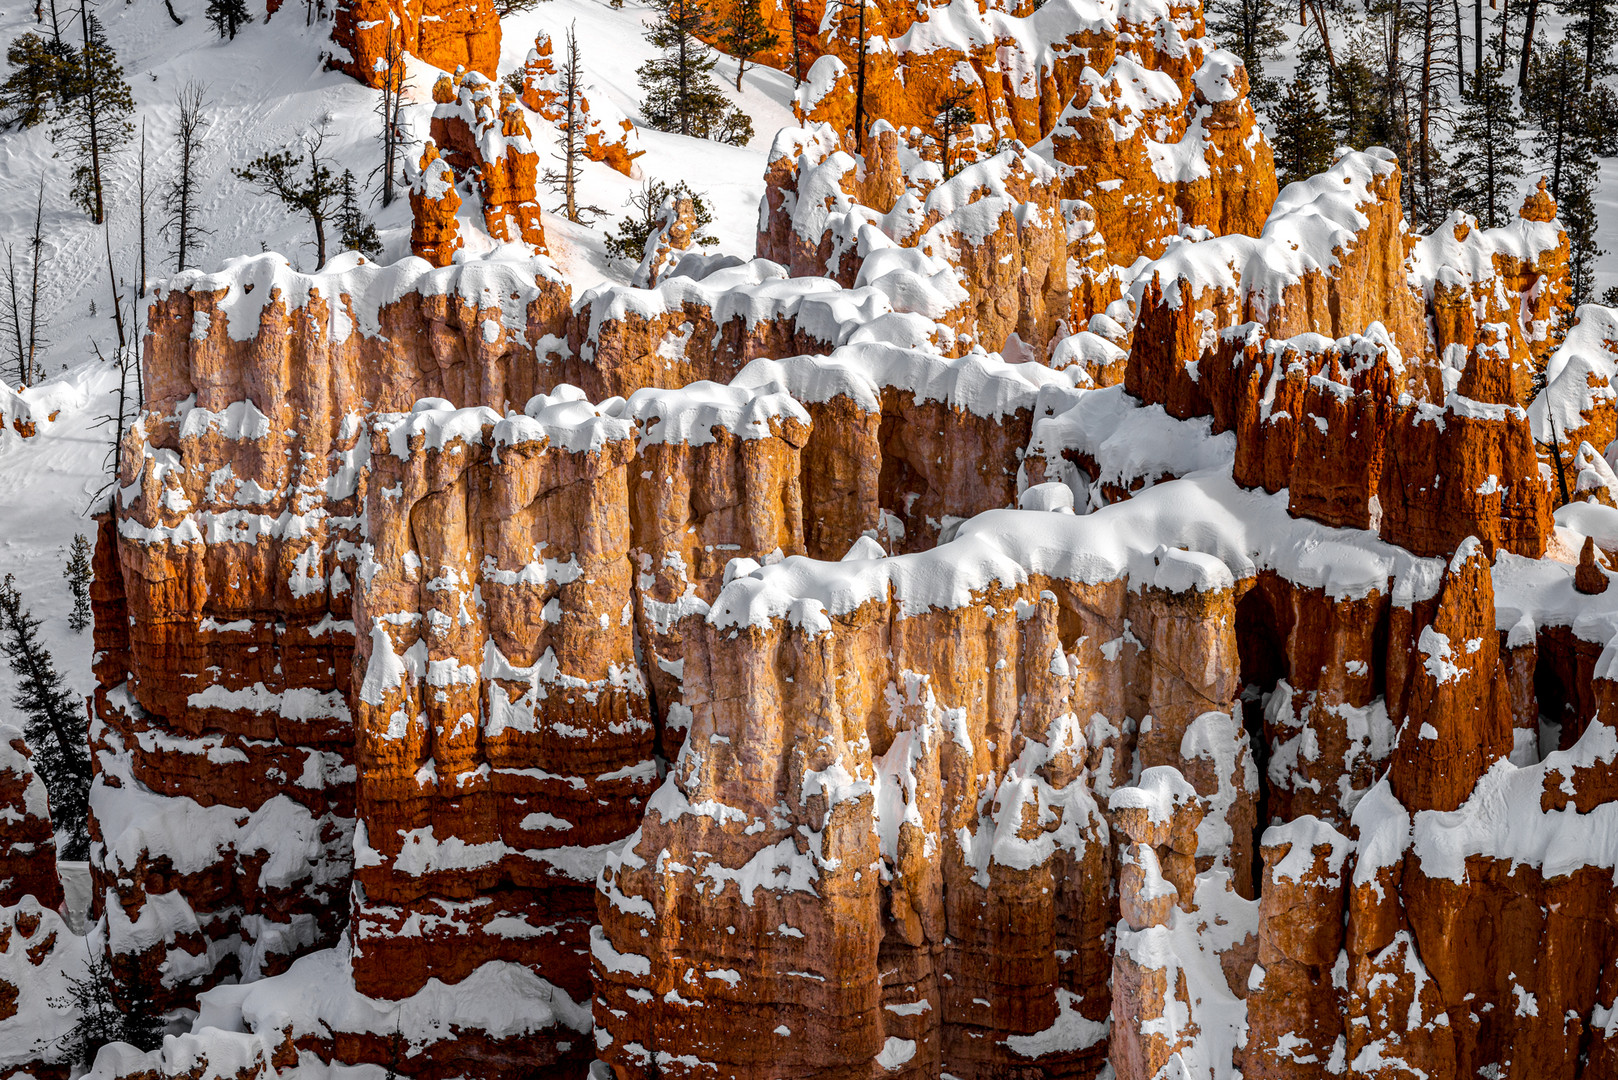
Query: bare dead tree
pixel 392 65
pixel 11 315
pixel 117 299
pixel 566 179
pixel 141 288
pixel 180 200
pixel 36 248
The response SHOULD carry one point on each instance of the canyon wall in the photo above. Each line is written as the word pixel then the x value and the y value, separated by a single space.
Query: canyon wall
pixel 744 673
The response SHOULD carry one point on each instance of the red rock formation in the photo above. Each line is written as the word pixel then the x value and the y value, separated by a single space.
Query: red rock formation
pixel 1295 1019
pixel 1458 722
pixel 480 129
pixel 447 34
pixel 435 234
pixel 27 842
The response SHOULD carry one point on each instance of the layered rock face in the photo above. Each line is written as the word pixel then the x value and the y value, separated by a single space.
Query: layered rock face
pixel 369 37
pixel 744 674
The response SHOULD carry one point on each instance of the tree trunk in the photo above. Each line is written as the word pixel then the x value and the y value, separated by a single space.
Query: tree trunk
pixel 1527 41
pixel 112 279
pixel 100 215
pixel 141 288
pixel 37 245
pixel 859 88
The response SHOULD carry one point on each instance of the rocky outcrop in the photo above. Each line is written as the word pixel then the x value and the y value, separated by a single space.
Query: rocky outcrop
pixel 27 841
pixel 745 674
pixel 435 233
pixel 481 131
pixel 368 36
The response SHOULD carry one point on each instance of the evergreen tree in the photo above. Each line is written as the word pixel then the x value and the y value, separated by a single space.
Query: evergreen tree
pixel 300 178
pixel 355 230
pixel 646 217
pixel 78 583
pixel 1555 100
pixel 746 34
pixel 681 95
pixel 53 722
pixel 228 16
pixel 100 1021
pixel 1358 102
pixel 1487 161
pixel 40 68
pixel 954 119
pixel 94 121
pixel 1303 134
pixel 1252 29
pixel 1592 25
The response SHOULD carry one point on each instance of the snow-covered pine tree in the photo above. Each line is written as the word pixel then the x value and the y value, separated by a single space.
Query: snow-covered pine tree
pixel 746 34
pixel 1555 100
pixel 1303 134
pixel 228 16
pixel 681 94
pixel 53 722
pixel 94 121
pixel 355 231
pixel 1486 158
pixel 180 197
pixel 78 577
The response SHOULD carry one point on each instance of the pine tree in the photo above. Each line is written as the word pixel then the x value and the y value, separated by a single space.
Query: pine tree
pixel 952 120
pixel 1487 161
pixel 645 218
pixel 300 178
pixel 53 722
pixel 746 34
pixel 99 1022
pixel 1592 25
pixel 40 68
pixel 1555 100
pixel 228 16
pixel 355 230
pixel 78 583
pixel 1359 103
pixel 1252 29
pixel 180 197
pixel 94 120
pixel 681 95
pixel 1303 134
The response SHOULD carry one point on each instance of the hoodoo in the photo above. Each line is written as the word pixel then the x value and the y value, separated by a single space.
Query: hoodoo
pixel 1063 605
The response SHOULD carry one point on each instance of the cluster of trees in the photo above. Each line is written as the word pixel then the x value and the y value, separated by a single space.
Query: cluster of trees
pixel 1473 106
pixel 52 716
pixel 681 94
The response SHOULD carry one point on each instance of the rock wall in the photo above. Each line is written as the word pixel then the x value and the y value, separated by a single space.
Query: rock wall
pixel 368 36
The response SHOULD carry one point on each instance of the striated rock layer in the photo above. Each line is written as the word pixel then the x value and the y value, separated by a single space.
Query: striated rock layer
pixel 745 674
